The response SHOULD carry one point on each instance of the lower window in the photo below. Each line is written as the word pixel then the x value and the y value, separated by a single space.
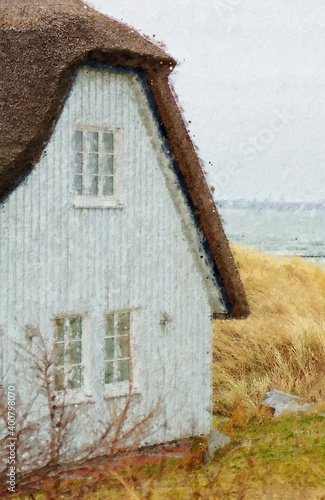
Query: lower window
pixel 117 347
pixel 68 353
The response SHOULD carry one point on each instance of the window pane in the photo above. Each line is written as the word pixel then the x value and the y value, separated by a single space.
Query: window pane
pixel 108 143
pixel 77 141
pixel 106 164
pixel 109 348
pixel 91 185
pixel 123 343
pixel 74 353
pixel 91 142
pixel 107 186
pixel 94 186
pixel 60 328
pixel 59 354
pixel 78 184
pixel 92 163
pixel 74 377
pixel 109 372
pixel 75 327
pixel 109 325
pixel 78 163
pixel 123 324
pixel 59 379
pixel 123 370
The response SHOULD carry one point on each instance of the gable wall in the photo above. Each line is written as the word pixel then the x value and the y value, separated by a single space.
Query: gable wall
pixel 57 259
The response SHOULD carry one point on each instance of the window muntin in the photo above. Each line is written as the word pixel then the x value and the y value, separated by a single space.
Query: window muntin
pixel 117 347
pixel 68 353
pixel 94 163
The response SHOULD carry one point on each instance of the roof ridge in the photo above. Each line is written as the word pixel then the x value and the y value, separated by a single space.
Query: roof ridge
pixel 27 12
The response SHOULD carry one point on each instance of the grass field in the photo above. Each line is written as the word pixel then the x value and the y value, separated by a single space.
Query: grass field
pixel 278 458
pixel 268 458
pixel 281 345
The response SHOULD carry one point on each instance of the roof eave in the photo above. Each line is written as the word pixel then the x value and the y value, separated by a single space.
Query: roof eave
pixel 205 208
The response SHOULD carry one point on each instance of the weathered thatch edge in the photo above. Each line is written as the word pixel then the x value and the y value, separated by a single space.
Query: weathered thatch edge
pixel 205 209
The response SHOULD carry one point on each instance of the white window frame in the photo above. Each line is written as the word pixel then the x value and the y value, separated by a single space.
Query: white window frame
pixel 81 394
pixel 116 199
pixel 122 388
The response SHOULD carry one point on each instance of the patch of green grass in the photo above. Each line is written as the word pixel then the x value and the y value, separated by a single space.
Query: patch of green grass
pixel 281 449
pixel 277 458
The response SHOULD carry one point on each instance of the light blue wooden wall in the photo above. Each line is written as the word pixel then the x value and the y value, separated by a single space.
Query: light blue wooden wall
pixel 57 259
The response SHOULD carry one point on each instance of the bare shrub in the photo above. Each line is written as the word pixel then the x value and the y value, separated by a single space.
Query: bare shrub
pixel 43 446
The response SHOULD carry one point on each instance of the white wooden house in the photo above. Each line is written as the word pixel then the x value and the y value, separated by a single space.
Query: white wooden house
pixel 111 244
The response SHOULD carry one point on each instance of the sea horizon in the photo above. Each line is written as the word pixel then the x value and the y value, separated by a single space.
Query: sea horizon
pixel 281 228
pixel 273 205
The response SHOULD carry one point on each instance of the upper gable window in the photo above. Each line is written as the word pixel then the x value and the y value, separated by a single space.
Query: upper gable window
pixel 97 180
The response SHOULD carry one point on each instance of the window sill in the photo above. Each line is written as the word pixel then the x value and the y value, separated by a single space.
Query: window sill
pixel 120 389
pixel 73 397
pixel 93 202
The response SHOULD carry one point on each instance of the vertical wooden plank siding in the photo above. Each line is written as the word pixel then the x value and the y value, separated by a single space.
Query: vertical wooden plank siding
pixel 57 259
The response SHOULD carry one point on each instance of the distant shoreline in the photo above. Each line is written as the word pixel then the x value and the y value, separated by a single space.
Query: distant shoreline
pixel 273 205
pixel 276 227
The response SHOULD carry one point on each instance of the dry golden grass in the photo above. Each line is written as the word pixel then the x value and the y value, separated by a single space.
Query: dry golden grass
pixel 282 343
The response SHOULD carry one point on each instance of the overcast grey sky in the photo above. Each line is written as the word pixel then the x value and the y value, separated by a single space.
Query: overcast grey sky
pixel 251 80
